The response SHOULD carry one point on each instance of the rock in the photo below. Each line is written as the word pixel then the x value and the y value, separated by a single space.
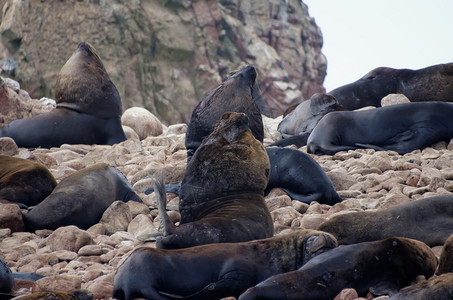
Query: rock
pixel 8 146
pixel 284 215
pixel 116 217
pixel 69 238
pixel 143 122
pixel 347 294
pixel 61 282
pixel 392 99
pixel 11 217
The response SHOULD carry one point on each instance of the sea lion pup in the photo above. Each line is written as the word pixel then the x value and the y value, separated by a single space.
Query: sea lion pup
pixel 300 176
pixel 401 127
pixel 297 125
pixel 221 196
pixel 429 220
pixel 381 267
pixel 80 199
pixel 436 287
pixel 88 108
pixel 433 83
pixel 233 95
pixel 24 181
pixel 215 271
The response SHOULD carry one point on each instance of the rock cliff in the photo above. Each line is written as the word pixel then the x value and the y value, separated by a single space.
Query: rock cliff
pixel 165 55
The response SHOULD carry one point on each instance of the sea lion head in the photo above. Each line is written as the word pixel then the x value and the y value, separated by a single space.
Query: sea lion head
pixel 83 85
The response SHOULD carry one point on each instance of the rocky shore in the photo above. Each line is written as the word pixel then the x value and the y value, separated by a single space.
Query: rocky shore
pixel 70 258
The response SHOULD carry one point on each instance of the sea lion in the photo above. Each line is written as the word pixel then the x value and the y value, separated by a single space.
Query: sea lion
pixel 381 267
pixel 233 95
pixel 80 199
pixel 433 83
pixel 297 125
pixel 24 181
pixel 88 108
pixel 300 176
pixel 436 287
pixel 217 270
pixel 401 127
pixel 446 257
pixel 221 196
pixel 429 220
pixel 6 278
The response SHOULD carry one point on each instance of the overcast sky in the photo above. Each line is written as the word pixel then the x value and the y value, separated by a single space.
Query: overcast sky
pixel 360 35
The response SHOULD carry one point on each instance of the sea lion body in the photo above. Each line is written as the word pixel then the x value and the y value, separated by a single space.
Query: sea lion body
pixel 216 270
pixel 433 83
pixel 221 195
pixel 297 125
pixel 300 176
pixel 401 127
pixel 80 199
pixel 429 220
pixel 446 257
pixel 233 95
pixel 382 267
pixel 436 287
pixel 24 181
pixel 88 108
pixel 6 278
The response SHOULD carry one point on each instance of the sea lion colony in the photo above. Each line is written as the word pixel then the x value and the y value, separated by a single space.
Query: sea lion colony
pixel 428 263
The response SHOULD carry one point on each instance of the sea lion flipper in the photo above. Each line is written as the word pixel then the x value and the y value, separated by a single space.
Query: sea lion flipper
pixel 159 188
pixel 321 103
pixel 384 287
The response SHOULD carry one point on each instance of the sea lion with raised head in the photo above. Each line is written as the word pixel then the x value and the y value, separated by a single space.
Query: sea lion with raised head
pixel 88 108
pixel 214 271
pixel 380 267
pixel 24 181
pixel 429 220
pixel 235 94
pixel 221 196
pixel 80 199
pixel 401 127
pixel 433 83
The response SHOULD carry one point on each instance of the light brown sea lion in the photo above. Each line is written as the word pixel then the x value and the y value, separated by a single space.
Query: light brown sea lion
pixel 80 199
pixel 429 220
pixel 217 270
pixel 88 108
pixel 446 257
pixel 380 267
pixel 433 83
pixel 24 181
pixel 221 195
pixel 233 95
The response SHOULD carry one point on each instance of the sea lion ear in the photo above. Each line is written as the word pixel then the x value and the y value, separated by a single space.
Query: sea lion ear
pixel 321 103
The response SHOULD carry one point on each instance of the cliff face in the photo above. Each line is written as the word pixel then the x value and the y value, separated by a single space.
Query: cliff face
pixel 165 55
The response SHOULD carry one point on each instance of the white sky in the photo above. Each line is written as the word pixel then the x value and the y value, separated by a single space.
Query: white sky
pixel 360 35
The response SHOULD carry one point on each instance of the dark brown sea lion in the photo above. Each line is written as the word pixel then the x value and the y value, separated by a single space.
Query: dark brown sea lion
pixel 381 267
pixel 433 83
pixel 81 198
pixel 297 125
pixel 401 127
pixel 24 181
pixel 217 270
pixel 88 108
pixel 429 220
pixel 221 196
pixel 233 95
pixel 436 287
pixel 446 257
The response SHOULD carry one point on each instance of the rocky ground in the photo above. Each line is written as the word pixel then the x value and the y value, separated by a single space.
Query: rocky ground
pixel 71 258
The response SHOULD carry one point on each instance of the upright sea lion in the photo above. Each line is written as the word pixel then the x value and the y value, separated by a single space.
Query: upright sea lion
pixel 381 267
pixel 88 108
pixel 401 127
pixel 24 181
pixel 300 176
pixel 217 270
pixel 80 199
pixel 433 83
pixel 429 220
pixel 233 95
pixel 297 125
pixel 221 196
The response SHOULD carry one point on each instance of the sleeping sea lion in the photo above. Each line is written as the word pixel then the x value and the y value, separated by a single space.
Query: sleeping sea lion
pixel 214 271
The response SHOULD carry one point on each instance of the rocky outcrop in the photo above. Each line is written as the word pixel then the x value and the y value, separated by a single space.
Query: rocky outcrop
pixel 164 55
